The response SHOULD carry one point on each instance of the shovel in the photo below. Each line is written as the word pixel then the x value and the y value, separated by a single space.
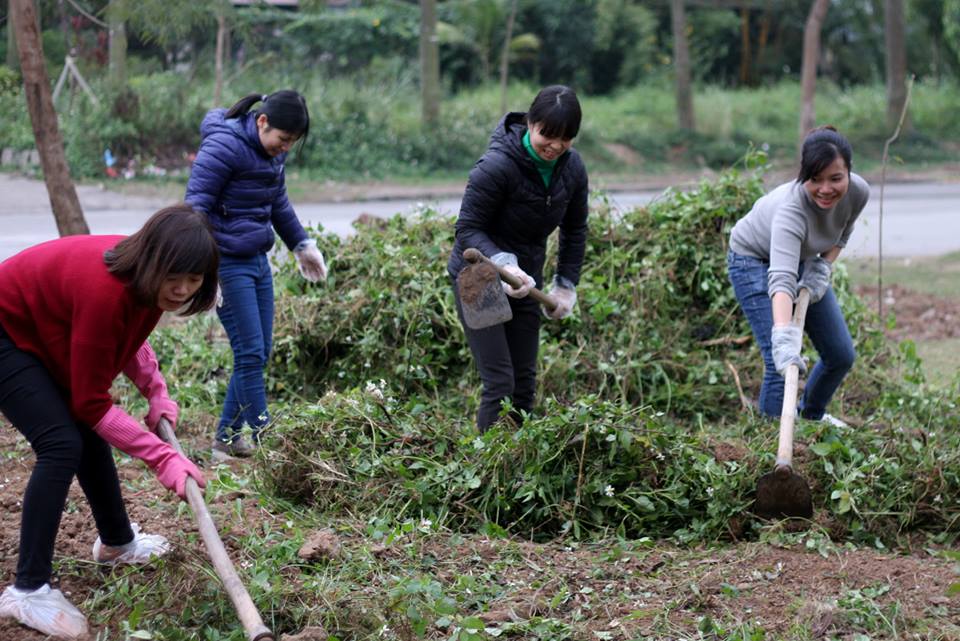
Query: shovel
pixel 483 300
pixel 242 603
pixel 783 493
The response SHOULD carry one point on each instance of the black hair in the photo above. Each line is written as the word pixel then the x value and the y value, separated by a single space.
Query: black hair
pixel 285 110
pixel 557 111
pixel 175 240
pixel 820 148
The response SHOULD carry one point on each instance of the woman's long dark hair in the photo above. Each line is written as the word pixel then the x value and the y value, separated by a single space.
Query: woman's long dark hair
pixel 285 110
pixel 820 148
pixel 175 240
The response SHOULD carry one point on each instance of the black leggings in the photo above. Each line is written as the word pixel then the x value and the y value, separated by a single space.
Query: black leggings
pixel 506 357
pixel 32 401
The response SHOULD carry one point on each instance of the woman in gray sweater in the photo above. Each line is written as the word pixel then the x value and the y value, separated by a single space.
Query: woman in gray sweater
pixel 788 241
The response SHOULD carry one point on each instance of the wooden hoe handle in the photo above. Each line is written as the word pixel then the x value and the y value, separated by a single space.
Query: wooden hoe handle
pixel 242 603
pixel 472 255
pixel 788 414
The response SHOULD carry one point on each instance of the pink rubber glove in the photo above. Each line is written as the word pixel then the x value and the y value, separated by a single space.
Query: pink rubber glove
pixel 122 431
pixel 144 370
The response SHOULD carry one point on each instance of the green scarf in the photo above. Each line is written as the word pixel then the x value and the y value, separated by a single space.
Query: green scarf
pixel 545 167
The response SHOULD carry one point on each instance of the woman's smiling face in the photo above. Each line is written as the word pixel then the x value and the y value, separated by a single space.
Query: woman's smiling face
pixel 548 148
pixel 830 185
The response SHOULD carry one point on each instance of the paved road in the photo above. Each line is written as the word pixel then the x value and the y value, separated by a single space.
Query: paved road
pixel 920 219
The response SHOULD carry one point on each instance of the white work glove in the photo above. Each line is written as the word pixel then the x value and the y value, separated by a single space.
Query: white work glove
pixel 566 298
pixel 310 261
pixel 526 282
pixel 816 277
pixel 787 341
pixel 508 262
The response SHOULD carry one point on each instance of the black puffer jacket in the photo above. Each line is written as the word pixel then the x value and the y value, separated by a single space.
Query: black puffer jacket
pixel 506 207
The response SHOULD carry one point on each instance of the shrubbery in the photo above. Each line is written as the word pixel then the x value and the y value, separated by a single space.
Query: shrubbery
pixel 639 429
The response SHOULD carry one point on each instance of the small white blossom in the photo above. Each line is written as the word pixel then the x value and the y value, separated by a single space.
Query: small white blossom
pixel 375 391
pixel 709 491
pixel 608 490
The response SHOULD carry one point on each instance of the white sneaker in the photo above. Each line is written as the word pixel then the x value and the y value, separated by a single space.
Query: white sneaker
pixel 140 550
pixel 45 610
pixel 833 420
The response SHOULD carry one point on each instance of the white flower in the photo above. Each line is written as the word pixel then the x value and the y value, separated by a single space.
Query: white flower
pixel 709 491
pixel 375 391
pixel 608 490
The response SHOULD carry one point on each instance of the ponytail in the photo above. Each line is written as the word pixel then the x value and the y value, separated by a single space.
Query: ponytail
pixel 285 110
pixel 243 105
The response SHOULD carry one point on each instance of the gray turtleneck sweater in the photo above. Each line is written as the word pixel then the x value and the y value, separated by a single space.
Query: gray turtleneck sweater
pixel 786 226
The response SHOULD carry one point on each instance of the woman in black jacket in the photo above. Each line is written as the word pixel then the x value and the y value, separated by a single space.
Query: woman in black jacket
pixel 529 182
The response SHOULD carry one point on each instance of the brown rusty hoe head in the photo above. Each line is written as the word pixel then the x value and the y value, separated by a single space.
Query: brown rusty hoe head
pixel 482 298
pixel 783 493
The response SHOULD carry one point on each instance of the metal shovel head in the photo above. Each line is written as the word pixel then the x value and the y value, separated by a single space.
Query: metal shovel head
pixel 783 494
pixel 482 299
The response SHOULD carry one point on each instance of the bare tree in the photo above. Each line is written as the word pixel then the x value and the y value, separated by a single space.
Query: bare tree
pixel 429 62
pixel 118 42
pixel 505 56
pixel 681 64
pixel 36 85
pixel 811 57
pixel 894 34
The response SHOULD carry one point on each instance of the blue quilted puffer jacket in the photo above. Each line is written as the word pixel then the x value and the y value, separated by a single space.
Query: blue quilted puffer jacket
pixel 241 188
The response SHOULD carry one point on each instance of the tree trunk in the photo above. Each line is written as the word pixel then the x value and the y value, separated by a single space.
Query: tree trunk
pixel 218 62
pixel 894 34
pixel 429 63
pixel 118 43
pixel 745 54
pixel 505 57
pixel 681 63
pixel 46 132
pixel 808 72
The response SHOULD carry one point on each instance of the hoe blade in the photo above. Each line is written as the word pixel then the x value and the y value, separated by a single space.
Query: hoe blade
pixel 783 494
pixel 482 299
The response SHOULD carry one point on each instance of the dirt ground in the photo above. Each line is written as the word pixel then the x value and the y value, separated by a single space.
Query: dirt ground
pixel 609 591
pixel 920 316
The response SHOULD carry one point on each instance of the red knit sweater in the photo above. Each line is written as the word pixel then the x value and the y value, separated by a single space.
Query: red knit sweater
pixel 59 303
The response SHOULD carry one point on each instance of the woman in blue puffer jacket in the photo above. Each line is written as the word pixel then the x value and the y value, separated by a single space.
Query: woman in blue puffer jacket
pixel 238 181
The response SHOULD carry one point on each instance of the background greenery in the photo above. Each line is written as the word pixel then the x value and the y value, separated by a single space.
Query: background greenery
pixel 358 67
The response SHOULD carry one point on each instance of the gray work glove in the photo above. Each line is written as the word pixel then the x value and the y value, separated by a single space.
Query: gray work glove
pixel 787 341
pixel 816 277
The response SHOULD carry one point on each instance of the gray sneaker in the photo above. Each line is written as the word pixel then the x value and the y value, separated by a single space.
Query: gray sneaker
pixel 239 448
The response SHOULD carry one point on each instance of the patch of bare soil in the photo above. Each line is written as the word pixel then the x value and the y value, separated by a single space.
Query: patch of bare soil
pixel 624 589
pixel 920 316
pixel 645 591
pixel 153 508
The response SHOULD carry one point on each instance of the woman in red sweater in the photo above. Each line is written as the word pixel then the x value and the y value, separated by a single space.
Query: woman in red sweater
pixel 74 313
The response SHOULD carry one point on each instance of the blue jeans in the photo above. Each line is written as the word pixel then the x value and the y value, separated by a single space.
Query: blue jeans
pixel 247 315
pixel 824 325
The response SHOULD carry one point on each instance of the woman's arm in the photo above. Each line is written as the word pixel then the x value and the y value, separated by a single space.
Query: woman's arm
pixel 573 236
pixel 210 173
pixel 483 199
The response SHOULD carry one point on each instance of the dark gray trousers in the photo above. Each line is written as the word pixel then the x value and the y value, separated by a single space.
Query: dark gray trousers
pixel 506 358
